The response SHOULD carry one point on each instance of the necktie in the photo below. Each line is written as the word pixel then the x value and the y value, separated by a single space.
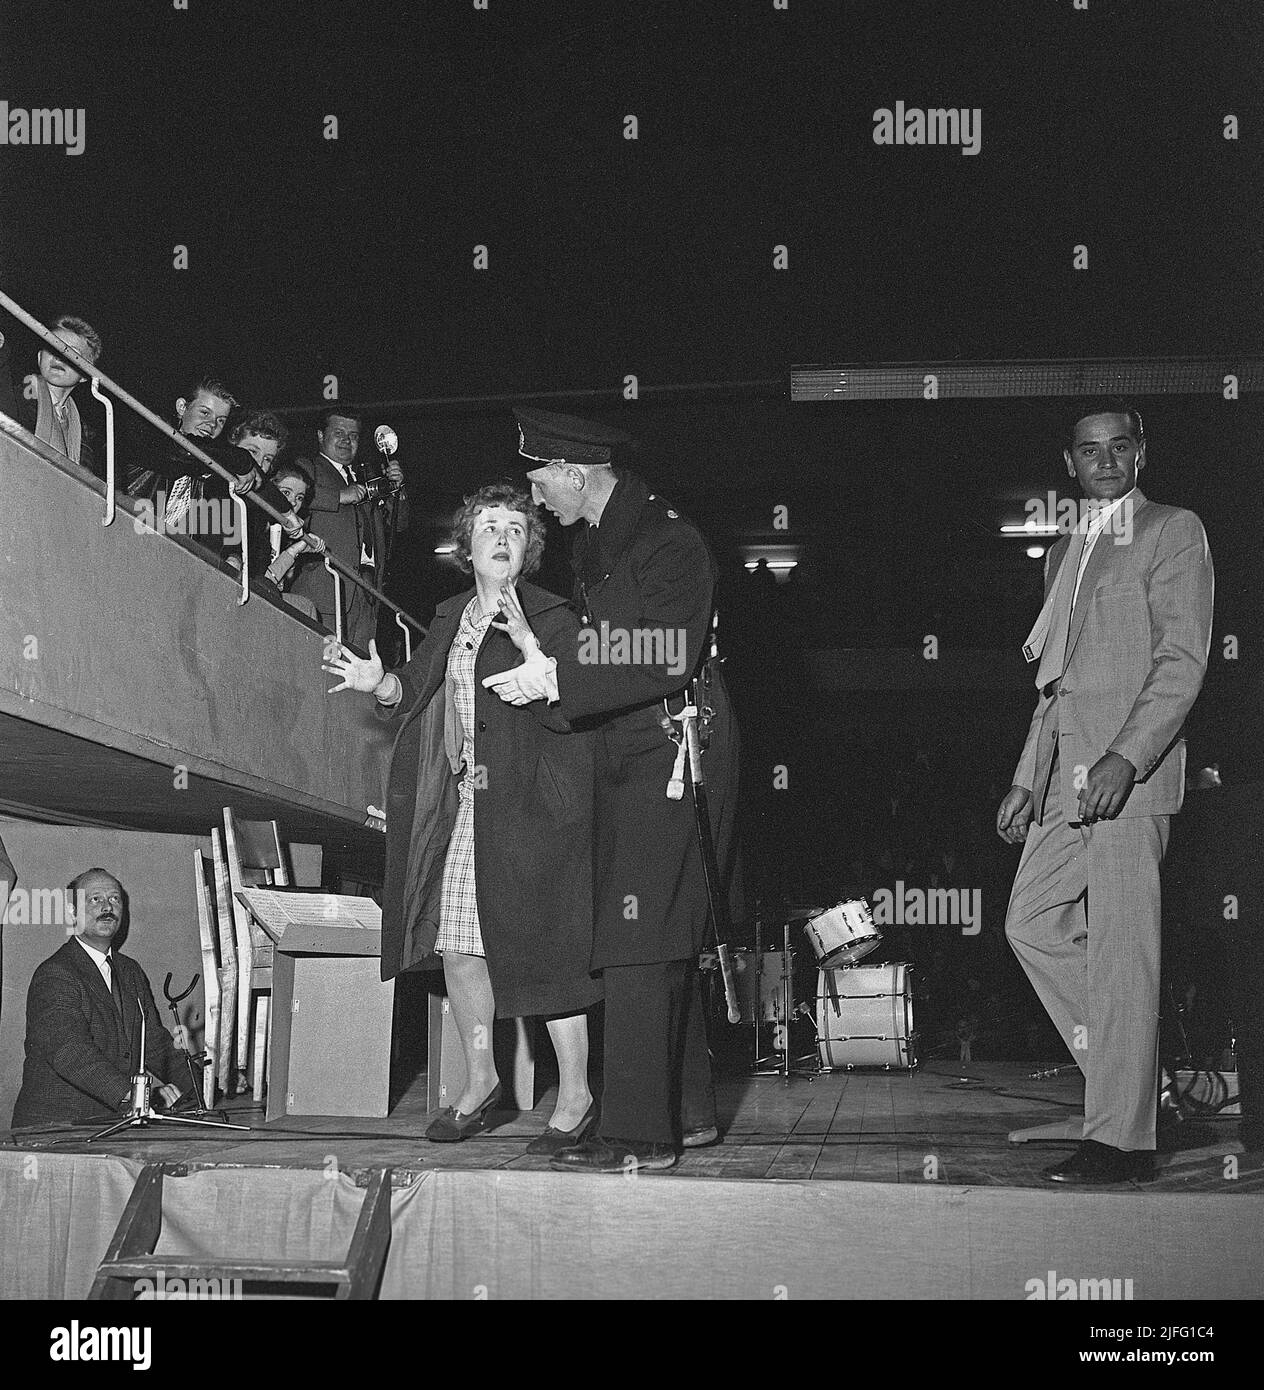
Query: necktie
pixel 117 991
pixel 115 988
pixel 361 513
pixel 58 431
pixel 1054 621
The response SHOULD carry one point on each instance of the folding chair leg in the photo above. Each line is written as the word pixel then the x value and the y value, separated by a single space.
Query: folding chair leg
pixel 259 1060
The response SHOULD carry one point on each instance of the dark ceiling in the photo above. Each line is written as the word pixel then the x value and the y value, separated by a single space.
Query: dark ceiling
pixel 607 257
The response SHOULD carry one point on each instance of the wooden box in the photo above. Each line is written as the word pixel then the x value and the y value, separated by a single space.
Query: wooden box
pixel 330 1049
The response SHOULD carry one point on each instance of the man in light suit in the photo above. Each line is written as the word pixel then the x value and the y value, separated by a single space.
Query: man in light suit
pixel 1122 640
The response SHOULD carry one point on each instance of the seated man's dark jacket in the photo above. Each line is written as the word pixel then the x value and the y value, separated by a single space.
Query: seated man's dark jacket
pixel 15 404
pixel 80 1055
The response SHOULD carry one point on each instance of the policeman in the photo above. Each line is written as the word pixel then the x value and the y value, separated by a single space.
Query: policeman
pixel 645 580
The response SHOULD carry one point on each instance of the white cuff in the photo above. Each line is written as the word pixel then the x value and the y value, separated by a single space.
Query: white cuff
pixel 396 692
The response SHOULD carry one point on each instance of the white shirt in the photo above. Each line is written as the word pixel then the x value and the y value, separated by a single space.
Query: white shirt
pixel 101 961
pixel 1052 612
pixel 1100 520
pixel 366 555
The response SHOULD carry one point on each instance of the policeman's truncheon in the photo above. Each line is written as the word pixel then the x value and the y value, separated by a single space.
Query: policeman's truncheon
pixel 689 745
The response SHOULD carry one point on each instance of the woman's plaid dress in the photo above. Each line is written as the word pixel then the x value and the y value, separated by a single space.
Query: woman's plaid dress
pixel 458 914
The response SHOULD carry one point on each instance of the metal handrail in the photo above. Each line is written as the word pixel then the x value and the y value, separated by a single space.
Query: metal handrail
pixel 333 574
pixel 408 641
pixel 68 353
pixel 108 406
pixel 240 506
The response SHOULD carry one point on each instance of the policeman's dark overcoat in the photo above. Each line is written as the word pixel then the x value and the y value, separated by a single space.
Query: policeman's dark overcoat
pixel 646 568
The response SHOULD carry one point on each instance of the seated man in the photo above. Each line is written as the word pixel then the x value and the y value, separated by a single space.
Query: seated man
pixel 83 1011
pixel 44 403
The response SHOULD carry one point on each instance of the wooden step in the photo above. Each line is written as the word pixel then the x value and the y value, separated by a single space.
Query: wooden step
pixel 130 1256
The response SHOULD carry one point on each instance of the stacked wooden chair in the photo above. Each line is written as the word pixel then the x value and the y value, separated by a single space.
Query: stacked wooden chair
pixel 236 953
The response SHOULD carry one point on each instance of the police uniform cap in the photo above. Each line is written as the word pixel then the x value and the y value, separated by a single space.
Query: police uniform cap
pixel 549 437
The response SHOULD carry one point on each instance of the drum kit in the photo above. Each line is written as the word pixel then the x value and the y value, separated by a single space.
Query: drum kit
pixel 862 1015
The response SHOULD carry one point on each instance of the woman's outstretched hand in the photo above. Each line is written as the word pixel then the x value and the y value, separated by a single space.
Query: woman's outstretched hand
pixel 355 671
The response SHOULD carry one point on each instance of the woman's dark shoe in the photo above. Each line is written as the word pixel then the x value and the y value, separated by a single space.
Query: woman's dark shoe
pixel 552 1139
pixel 451 1126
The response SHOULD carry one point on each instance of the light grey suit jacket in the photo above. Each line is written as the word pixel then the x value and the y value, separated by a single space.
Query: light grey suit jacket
pixel 1137 652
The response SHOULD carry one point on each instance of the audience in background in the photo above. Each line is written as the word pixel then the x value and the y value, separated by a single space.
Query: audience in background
pixel 178 484
pixel 294 482
pixel 189 498
pixel 263 436
pixel 45 404
pixel 272 553
pixel 354 528
pixel 201 413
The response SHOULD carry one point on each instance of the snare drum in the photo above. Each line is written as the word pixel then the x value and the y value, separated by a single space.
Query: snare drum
pixel 843 935
pixel 864 1017
pixel 758 981
pixel 759 986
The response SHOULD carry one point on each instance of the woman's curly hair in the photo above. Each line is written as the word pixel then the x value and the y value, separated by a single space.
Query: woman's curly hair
pixel 513 498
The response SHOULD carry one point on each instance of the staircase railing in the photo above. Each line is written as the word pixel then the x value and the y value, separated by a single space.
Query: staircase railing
pixel 99 379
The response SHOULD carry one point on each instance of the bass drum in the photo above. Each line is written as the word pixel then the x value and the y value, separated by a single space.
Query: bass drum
pixel 864 1017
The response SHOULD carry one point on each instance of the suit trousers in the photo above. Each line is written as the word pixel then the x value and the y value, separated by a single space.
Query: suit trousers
pixel 657 1068
pixel 360 623
pixel 1083 921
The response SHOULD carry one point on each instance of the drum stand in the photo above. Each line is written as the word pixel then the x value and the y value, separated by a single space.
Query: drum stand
pixel 782 1064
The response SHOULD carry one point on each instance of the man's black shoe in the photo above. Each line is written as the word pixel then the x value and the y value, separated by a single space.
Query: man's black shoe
pixel 1098 1165
pixel 600 1155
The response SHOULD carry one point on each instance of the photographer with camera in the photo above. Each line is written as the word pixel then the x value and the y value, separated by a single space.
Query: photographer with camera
pixel 356 510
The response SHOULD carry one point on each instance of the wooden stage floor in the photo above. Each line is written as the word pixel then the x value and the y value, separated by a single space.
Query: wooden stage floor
pixel 946 1122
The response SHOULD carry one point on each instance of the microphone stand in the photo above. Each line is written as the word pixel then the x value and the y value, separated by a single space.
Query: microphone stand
pixel 140 1113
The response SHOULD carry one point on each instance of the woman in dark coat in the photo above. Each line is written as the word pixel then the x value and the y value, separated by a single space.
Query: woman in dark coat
pixel 489 818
